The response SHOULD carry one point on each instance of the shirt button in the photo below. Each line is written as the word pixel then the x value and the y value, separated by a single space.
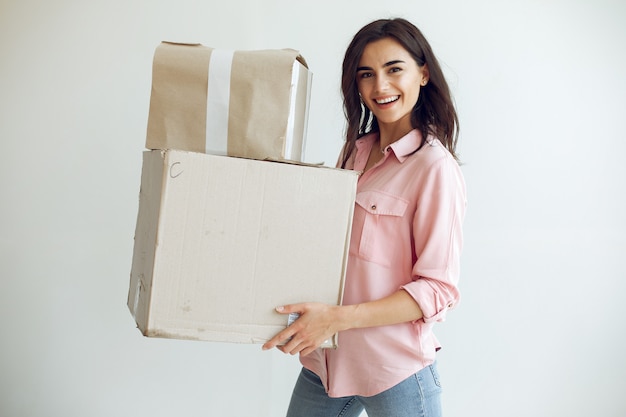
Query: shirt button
pixel 373 206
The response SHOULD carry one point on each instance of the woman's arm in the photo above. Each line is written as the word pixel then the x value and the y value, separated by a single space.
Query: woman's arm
pixel 318 322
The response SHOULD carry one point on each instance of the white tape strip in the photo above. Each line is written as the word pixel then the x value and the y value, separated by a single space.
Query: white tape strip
pixel 295 75
pixel 218 99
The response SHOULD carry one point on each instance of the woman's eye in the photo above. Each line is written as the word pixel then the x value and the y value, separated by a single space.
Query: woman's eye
pixel 395 69
pixel 365 75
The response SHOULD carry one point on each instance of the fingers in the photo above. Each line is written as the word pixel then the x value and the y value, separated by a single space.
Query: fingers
pixel 280 337
pixel 299 341
pixel 290 308
pixel 302 349
pixel 287 333
pixel 294 346
pixel 294 339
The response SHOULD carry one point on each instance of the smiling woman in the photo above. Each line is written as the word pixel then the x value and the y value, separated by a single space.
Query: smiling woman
pixel 433 111
pixel 389 82
pixel 406 240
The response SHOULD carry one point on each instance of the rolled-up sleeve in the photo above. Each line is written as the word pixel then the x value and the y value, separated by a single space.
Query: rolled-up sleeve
pixel 438 240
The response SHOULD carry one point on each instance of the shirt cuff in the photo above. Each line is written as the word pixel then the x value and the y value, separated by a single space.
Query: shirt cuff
pixel 434 298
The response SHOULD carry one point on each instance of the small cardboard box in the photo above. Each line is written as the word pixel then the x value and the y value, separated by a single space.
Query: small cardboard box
pixel 221 241
pixel 251 104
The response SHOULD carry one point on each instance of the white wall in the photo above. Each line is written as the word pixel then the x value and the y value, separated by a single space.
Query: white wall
pixel 540 88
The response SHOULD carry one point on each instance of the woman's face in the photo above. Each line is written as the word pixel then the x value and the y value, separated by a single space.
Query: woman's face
pixel 389 81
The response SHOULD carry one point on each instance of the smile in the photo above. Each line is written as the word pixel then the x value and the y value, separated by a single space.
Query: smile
pixel 387 100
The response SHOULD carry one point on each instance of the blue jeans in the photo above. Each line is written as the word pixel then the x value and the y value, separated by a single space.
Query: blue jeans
pixel 417 396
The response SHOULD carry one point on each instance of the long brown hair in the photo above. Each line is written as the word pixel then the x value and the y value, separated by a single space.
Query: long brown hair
pixel 434 112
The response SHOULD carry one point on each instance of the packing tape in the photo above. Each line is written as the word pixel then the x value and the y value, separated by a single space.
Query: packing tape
pixel 218 100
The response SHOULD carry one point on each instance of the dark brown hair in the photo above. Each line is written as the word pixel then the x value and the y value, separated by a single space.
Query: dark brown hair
pixel 434 112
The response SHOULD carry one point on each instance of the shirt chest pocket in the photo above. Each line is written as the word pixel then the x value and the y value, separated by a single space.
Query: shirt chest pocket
pixel 382 237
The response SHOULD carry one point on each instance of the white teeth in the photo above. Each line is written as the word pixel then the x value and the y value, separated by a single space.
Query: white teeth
pixel 387 100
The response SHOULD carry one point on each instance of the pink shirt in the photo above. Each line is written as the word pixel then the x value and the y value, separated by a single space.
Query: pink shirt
pixel 406 235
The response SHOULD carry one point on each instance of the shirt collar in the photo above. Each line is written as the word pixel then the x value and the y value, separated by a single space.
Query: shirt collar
pixel 406 145
pixel 401 148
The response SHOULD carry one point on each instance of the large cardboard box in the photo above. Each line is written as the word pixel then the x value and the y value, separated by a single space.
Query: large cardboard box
pixel 221 241
pixel 251 104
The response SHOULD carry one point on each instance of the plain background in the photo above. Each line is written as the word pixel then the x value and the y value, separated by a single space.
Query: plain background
pixel 540 89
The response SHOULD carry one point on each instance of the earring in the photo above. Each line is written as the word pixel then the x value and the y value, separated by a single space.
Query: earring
pixel 424 82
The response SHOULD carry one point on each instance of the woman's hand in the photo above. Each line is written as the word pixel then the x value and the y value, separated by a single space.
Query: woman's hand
pixel 317 323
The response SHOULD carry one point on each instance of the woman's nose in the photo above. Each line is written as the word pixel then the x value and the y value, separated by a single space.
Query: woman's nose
pixel 382 82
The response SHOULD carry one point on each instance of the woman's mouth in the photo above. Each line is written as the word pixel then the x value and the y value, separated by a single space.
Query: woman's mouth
pixel 387 100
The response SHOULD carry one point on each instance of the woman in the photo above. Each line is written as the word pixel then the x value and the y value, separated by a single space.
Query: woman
pixel 403 266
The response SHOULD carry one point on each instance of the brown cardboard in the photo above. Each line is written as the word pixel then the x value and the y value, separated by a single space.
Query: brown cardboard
pixel 221 241
pixel 259 103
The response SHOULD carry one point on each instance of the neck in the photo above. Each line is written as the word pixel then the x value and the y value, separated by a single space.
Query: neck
pixel 388 134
